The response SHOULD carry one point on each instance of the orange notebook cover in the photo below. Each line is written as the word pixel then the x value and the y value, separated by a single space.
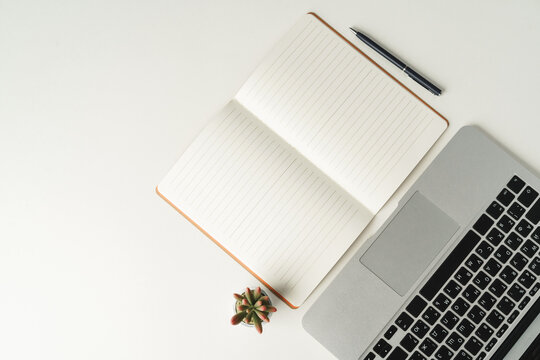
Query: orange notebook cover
pixel 288 174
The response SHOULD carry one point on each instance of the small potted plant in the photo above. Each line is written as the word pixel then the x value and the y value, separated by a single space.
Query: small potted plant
pixel 252 308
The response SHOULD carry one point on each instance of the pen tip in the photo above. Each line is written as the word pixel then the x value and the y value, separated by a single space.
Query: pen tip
pixel 354 31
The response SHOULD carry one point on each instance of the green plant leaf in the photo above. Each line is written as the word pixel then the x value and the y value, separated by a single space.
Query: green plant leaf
pixel 238 317
pixel 262 316
pixel 248 296
pixel 249 317
pixel 271 309
pixel 258 324
pixel 257 293
pixel 238 296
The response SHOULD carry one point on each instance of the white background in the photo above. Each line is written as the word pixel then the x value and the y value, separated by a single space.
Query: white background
pixel 99 98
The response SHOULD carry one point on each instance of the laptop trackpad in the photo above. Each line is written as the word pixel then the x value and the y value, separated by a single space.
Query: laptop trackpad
pixel 409 243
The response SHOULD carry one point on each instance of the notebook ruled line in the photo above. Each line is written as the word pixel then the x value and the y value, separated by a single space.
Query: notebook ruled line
pixel 217 163
pixel 308 227
pixel 204 155
pixel 291 74
pixel 290 253
pixel 305 265
pixel 313 205
pixel 223 204
pixel 257 79
pixel 198 144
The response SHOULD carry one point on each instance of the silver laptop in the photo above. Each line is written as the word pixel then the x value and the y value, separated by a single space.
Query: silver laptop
pixel 454 273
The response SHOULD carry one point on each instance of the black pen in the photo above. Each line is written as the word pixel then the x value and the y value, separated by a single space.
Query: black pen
pixel 400 64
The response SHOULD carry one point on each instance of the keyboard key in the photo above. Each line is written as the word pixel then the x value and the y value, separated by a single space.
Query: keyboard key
pixel 481 280
pixel 483 224
pixel 465 327
pixel 398 354
pixel 505 223
pixel 449 320
pixel 534 266
pixel 417 356
pixel 460 306
pixel 527 279
pixel 491 344
pixel 495 236
pixel 484 332
pixel 427 346
pixel 503 254
pixel 516 211
pixel 516 292
pixel 473 345
pixel 463 276
pixel 527 196
pixel 416 306
pixel 420 329
pixel 529 248
pixel 505 197
pixel 431 315
pixel 513 241
pixel 502 330
pixel 471 293
pixel 474 262
pixel 524 228
pixel 513 316
pixel 534 289
pixel 382 348
pixel 462 355
pixel 505 305
pixel 508 274
pixel 450 264
pixel 452 289
pixel 454 341
pixel 487 301
pixel 370 356
pixel 524 303
pixel 444 353
pixel 390 332
pixel 484 249
pixel 495 319
pixel 516 184
pixel 534 213
pixel 495 210
pixel 409 342
pixel 438 333
pixel 536 234
pixel 497 288
pixel 492 267
pixel 441 302
pixel 519 261
pixel 404 321
pixel 476 314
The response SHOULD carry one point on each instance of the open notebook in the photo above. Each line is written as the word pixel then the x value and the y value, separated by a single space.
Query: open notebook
pixel 291 171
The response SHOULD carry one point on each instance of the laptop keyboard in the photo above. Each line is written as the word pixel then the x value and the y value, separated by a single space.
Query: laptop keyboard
pixel 479 291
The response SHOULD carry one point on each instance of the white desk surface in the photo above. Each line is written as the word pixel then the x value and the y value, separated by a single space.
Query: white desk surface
pixel 98 99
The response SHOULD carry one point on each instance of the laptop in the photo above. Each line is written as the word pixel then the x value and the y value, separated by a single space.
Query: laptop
pixel 453 274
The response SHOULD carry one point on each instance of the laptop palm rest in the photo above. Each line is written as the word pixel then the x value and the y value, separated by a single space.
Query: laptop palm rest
pixel 409 243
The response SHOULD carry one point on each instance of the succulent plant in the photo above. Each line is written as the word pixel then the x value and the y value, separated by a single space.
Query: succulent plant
pixel 252 307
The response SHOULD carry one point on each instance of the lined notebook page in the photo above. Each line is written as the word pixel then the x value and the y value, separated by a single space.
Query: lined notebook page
pixel 343 113
pixel 264 202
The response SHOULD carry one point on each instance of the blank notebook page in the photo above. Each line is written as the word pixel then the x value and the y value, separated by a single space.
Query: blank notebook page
pixel 341 111
pixel 264 202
